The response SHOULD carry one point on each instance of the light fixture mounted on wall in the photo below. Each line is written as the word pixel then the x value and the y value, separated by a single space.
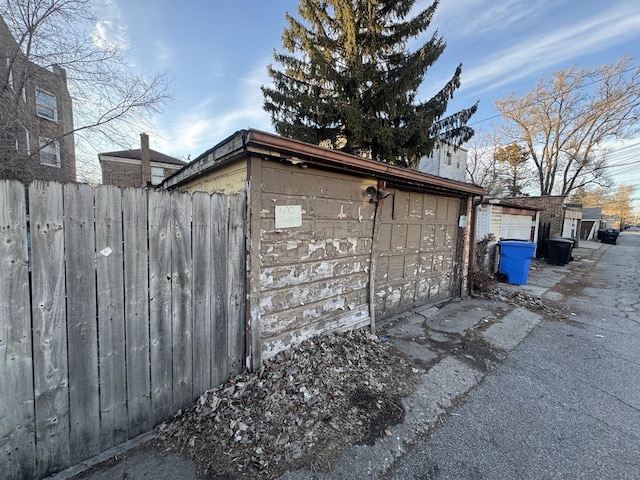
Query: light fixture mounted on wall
pixel 376 194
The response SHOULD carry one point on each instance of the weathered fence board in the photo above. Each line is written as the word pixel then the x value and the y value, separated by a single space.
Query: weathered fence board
pixel 48 309
pixel 220 256
pixel 201 297
pixel 236 279
pixel 17 430
pixel 181 314
pixel 136 285
pixel 84 398
pixel 111 331
pixel 160 235
pixel 135 306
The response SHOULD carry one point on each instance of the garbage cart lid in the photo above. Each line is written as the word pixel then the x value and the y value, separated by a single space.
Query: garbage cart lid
pixel 516 243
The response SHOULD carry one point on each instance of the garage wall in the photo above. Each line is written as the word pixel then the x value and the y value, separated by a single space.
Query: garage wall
pixel 551 210
pixel 516 227
pixel 313 278
pixel 483 221
pixel 415 251
pixel 572 220
pixel 228 180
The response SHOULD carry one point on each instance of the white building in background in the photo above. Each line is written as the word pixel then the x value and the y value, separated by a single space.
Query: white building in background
pixel 446 161
pixel 507 220
pixel 592 221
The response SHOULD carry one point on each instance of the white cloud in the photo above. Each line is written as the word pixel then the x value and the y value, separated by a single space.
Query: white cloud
pixel 554 48
pixel 109 33
pixel 194 133
pixel 210 121
pixel 464 18
pixel 102 36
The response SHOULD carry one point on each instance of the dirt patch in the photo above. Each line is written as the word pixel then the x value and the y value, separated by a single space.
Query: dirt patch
pixel 385 411
pixel 477 353
pixel 300 410
pixel 579 279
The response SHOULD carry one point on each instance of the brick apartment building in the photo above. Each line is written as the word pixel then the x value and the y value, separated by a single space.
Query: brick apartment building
pixel 36 117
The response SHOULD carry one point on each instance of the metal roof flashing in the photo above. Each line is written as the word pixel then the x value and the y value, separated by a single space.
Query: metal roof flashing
pixel 503 203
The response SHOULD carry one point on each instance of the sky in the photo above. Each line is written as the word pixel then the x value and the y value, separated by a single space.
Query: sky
pixel 215 54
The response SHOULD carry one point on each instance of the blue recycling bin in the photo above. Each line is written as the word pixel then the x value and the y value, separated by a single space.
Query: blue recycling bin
pixel 515 259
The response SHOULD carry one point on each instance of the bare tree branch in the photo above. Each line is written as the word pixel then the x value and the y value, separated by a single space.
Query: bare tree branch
pixel 110 98
pixel 566 120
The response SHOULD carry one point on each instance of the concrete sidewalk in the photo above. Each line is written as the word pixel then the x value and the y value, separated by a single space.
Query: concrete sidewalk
pixel 413 331
pixel 454 345
pixel 542 280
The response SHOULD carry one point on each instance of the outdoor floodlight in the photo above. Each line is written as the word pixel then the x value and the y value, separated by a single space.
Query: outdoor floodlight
pixel 376 194
pixel 383 194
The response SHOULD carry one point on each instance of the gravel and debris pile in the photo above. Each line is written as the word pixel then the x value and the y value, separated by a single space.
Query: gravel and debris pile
pixel 303 407
pixel 530 302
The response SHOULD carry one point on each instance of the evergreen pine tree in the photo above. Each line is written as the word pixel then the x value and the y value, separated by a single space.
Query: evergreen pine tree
pixel 349 81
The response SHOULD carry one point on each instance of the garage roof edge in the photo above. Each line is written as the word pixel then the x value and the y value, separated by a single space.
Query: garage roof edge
pixel 276 146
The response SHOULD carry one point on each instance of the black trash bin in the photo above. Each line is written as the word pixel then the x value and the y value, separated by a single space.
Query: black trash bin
pixel 559 251
pixel 573 245
pixel 608 235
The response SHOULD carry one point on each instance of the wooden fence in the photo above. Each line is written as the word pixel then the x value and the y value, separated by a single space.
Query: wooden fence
pixel 117 308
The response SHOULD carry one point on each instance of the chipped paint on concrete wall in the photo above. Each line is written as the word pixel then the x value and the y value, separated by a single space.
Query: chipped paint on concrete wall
pixel 313 278
pixel 416 251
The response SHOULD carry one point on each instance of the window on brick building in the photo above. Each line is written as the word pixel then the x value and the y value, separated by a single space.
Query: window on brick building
pixel 157 175
pixel 49 152
pixel 10 79
pixel 27 140
pixel 46 105
pixel 26 136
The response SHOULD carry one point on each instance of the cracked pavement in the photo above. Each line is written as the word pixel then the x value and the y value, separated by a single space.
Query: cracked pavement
pixel 565 403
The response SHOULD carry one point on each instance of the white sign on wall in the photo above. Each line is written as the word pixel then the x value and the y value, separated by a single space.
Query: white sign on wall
pixel 288 216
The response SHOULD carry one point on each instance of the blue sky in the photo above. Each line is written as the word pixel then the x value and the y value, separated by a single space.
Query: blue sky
pixel 215 53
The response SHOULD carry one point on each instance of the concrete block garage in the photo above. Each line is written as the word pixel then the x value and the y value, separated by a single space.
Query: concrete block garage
pixel 333 240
